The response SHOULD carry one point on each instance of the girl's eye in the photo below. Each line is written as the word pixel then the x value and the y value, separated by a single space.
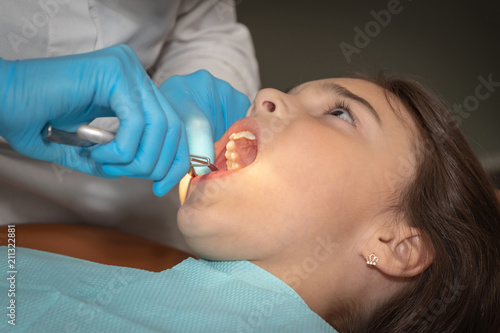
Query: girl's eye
pixel 344 114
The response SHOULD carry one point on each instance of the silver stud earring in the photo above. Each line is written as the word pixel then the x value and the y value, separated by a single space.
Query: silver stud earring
pixel 372 260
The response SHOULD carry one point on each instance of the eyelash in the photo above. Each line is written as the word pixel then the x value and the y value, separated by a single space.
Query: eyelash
pixel 342 105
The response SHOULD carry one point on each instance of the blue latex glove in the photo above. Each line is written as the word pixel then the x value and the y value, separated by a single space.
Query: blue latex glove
pixel 207 106
pixel 73 90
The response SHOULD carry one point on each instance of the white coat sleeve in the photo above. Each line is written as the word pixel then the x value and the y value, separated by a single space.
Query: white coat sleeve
pixel 207 36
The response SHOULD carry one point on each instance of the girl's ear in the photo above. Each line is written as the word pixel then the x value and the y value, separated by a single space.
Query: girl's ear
pixel 400 249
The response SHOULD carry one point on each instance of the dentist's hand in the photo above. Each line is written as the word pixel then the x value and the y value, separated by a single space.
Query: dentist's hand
pixel 207 106
pixel 73 90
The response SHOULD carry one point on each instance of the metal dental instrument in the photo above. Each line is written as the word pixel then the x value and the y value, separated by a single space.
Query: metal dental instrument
pixel 88 136
pixel 197 160
pixel 85 136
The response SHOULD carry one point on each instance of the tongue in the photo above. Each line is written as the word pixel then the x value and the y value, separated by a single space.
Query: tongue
pixel 246 150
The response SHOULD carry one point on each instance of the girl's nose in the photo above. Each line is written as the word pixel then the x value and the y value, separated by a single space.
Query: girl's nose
pixel 271 101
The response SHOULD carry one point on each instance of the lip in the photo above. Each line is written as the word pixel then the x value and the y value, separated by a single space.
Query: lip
pixel 244 124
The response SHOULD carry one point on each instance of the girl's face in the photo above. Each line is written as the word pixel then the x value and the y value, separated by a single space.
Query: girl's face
pixel 326 159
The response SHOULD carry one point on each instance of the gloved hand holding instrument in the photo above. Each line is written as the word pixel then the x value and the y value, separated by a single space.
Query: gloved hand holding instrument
pixel 66 92
pixel 69 91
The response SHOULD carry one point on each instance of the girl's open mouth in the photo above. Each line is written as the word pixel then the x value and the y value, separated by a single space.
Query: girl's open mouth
pixel 236 149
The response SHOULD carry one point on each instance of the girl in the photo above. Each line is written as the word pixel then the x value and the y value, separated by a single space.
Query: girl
pixel 377 168
pixel 348 204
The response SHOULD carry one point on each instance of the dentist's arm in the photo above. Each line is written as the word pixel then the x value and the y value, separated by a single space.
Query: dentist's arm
pixel 73 90
pixel 208 36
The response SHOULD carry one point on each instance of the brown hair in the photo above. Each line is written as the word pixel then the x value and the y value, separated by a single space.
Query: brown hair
pixel 452 201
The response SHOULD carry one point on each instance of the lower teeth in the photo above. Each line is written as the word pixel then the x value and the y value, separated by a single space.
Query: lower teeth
pixel 231 165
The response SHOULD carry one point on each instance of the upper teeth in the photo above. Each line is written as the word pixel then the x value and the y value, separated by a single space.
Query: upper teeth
pixel 245 134
pixel 231 154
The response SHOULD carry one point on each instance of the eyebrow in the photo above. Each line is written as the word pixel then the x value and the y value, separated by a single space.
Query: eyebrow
pixel 345 93
pixel 341 91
